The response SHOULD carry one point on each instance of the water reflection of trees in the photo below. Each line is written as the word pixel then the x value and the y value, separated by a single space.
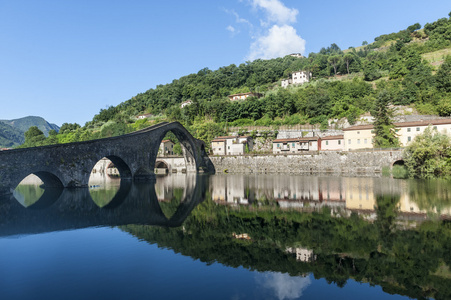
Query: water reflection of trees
pixel 407 261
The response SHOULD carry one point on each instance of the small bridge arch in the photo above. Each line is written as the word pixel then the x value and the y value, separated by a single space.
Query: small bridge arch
pixel 399 162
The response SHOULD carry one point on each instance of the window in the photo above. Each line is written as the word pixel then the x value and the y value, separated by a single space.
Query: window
pixel 358 141
pixel 228 147
pixel 408 129
pixel 418 128
pixel 409 138
pixel 292 144
pixel 435 127
pixel 327 143
pixel 349 141
pixel 339 142
pixel 365 141
pixel 358 132
pixel 278 145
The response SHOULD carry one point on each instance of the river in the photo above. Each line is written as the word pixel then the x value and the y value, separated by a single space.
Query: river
pixel 228 237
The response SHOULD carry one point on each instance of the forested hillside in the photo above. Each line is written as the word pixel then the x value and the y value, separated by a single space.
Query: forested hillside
pixel 12 131
pixel 412 66
pixel 10 136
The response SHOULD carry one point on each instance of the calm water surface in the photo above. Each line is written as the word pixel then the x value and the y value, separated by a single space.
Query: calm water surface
pixel 229 237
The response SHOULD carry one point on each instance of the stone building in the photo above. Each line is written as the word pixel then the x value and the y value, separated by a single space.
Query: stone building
pixel 166 148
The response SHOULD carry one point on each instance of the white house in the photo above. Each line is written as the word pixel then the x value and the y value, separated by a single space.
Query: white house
pixel 186 103
pixel 231 145
pixel 407 131
pixel 361 136
pixel 143 116
pixel 299 77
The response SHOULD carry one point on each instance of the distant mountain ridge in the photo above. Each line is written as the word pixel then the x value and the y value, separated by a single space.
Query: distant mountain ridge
pixel 12 131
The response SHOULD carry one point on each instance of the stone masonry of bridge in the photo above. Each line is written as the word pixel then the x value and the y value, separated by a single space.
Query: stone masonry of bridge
pixel 70 165
pixel 362 163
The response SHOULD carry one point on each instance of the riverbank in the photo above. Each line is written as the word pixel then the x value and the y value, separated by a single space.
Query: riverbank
pixel 361 163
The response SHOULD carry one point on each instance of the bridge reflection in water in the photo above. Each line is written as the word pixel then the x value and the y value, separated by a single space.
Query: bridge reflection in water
pixel 64 209
pixel 262 223
pixel 126 202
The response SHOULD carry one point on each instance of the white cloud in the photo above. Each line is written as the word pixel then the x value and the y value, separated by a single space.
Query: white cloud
pixel 279 41
pixel 277 11
pixel 283 285
pixel 231 29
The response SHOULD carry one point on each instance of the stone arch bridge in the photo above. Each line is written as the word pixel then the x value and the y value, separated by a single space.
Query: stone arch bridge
pixel 70 165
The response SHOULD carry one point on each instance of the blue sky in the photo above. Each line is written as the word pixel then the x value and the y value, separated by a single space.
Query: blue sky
pixel 65 60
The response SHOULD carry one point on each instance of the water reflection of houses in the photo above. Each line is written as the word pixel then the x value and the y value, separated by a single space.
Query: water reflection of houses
pixel 290 192
pixel 229 190
pixel 312 192
pixel 362 197
pixel 302 254
pixel 167 186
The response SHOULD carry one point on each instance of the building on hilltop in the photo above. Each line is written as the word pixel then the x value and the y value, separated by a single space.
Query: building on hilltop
pixel 186 103
pixel 244 96
pixel 231 145
pixel 144 116
pixel 299 77
pixel 297 55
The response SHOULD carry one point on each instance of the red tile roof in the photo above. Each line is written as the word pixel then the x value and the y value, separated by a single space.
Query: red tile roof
pixel 305 139
pixel 333 137
pixel 423 123
pixel 359 127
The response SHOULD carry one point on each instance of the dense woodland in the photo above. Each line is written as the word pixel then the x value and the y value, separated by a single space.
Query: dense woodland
pixel 410 67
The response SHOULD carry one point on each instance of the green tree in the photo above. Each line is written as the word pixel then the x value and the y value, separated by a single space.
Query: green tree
pixel 371 71
pixel 334 60
pixel 67 127
pixel 429 154
pixel 348 58
pixel 384 130
pixel 33 137
pixel 443 76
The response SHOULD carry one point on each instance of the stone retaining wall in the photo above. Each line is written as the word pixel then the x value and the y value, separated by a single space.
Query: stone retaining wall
pixel 368 163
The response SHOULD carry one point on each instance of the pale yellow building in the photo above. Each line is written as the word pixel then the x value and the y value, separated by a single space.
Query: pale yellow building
pixel 358 137
pixel 407 131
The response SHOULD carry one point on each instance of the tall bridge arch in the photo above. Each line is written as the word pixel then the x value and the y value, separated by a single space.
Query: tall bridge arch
pixel 70 165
